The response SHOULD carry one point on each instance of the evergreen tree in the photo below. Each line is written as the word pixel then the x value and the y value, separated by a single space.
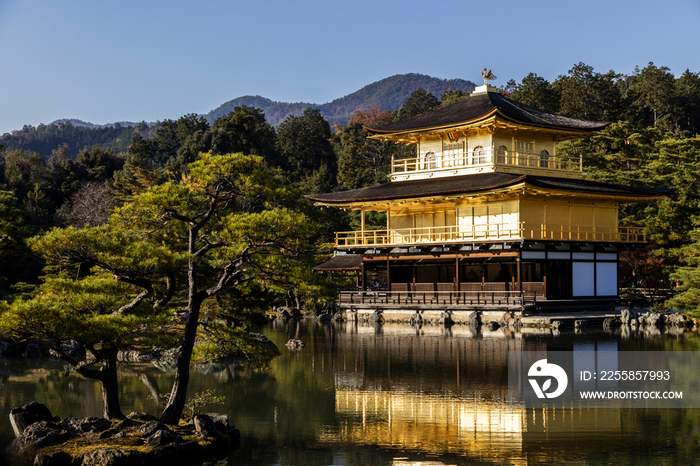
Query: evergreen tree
pixel 589 95
pixel 652 97
pixel 536 92
pixel 420 101
pixel 306 153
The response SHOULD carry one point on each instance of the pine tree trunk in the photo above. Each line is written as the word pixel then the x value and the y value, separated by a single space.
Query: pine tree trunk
pixel 110 387
pixel 178 395
pixel 107 376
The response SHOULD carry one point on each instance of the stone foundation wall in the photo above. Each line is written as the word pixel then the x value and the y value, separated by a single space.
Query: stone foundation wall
pixel 425 316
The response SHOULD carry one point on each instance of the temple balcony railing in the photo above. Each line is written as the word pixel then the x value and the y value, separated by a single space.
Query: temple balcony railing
pixel 484 160
pixel 471 298
pixel 490 232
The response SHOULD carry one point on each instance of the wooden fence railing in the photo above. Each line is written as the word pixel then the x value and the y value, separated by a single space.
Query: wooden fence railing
pixel 464 298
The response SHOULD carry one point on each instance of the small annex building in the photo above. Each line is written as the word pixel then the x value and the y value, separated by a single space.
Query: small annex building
pixel 486 215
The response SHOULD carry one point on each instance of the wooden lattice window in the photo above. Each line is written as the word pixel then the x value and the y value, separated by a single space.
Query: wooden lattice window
pixel 478 155
pixel 431 161
pixel 453 154
pixel 501 154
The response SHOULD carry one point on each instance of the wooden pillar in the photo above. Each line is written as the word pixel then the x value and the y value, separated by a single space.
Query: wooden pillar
pixel 362 225
pixel 413 267
pixel 364 277
pixel 519 271
pixel 456 286
pixel 545 267
pixel 483 275
pixel 388 273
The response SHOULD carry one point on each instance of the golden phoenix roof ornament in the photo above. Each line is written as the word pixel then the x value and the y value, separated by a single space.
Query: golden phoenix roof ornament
pixel 488 76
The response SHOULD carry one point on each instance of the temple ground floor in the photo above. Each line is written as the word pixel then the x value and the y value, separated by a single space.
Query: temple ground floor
pixel 522 276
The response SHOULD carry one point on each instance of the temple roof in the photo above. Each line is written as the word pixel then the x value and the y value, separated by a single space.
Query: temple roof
pixel 480 106
pixel 341 262
pixel 466 184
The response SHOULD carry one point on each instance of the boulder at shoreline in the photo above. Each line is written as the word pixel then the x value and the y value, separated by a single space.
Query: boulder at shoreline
pixel 137 440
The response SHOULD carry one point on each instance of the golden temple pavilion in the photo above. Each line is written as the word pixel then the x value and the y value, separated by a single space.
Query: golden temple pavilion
pixel 486 214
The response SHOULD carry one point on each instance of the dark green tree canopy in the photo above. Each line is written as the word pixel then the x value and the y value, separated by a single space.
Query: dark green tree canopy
pixel 420 101
pixel 172 141
pixel 306 153
pixel 652 97
pixel 589 95
pixel 245 130
pixel 537 92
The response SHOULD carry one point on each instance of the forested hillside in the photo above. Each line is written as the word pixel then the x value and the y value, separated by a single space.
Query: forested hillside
pixel 87 124
pixel 44 139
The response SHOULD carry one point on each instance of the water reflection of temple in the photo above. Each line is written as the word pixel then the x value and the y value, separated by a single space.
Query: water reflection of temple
pixel 426 391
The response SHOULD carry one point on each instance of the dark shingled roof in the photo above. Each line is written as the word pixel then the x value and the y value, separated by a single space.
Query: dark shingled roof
pixel 341 262
pixel 478 106
pixel 480 182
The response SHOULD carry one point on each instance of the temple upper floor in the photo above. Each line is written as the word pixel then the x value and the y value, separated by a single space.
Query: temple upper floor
pixel 485 133
pixel 486 152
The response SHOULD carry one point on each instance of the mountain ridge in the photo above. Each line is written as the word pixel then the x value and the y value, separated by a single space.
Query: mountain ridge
pixel 388 94
pixel 87 124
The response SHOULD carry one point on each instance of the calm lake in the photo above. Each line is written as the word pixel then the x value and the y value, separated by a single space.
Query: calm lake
pixel 363 394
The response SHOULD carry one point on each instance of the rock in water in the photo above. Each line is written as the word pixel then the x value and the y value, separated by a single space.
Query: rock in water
pixel 509 319
pixel 557 325
pixel 295 344
pixel 677 319
pixel 474 319
pixel 26 415
pixel 627 316
pixel 204 425
pixel 260 338
pixel 445 318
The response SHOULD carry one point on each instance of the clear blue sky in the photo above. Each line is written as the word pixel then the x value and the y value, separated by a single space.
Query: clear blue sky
pixel 103 61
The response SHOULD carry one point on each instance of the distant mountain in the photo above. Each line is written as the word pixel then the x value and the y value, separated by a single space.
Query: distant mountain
pixel 389 94
pixel 275 112
pixel 74 122
pixel 85 124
